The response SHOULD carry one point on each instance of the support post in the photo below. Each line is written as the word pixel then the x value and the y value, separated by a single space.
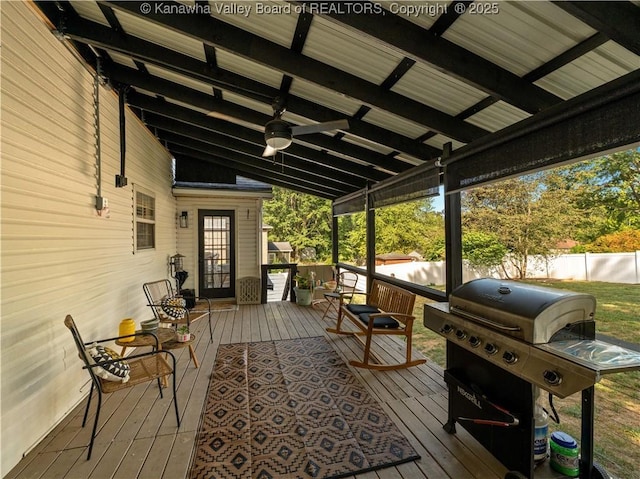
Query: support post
pixel 371 239
pixel 453 231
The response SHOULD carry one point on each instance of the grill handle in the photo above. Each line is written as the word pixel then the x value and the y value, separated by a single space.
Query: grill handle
pixel 485 321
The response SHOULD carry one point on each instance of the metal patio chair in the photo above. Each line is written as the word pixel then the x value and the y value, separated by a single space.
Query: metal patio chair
pixel 143 368
pixel 160 290
pixel 346 286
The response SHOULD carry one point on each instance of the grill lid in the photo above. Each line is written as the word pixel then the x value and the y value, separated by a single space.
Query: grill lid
pixel 531 313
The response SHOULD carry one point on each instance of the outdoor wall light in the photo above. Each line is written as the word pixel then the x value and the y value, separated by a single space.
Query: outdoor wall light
pixel 184 219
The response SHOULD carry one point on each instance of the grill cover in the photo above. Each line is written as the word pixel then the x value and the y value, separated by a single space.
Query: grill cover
pixel 527 312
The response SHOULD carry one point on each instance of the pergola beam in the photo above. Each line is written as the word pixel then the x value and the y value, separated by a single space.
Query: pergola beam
pixel 215 32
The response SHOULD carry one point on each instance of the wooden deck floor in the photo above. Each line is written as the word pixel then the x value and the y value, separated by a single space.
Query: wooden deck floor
pixel 138 436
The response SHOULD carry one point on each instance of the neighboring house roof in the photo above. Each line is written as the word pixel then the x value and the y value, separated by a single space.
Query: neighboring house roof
pixel 394 256
pixel 279 246
pixel 566 244
pixel 416 256
pixel 241 184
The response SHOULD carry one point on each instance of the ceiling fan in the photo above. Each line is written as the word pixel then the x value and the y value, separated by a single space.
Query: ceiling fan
pixel 278 134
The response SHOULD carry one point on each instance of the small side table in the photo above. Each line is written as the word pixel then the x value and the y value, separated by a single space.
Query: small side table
pixel 166 340
pixel 172 343
pixel 163 335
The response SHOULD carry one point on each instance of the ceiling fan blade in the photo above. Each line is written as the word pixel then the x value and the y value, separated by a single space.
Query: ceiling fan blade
pixel 268 151
pixel 320 127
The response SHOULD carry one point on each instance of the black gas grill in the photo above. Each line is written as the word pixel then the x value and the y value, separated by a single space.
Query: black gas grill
pixel 507 339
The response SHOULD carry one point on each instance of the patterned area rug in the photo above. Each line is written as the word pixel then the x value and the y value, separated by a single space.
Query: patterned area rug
pixel 291 409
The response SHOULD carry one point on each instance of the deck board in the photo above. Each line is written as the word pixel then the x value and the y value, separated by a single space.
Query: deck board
pixel 138 437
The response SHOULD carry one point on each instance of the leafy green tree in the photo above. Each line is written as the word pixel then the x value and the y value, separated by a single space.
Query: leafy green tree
pixel 607 191
pixel 401 228
pixel 352 247
pixel 406 227
pixel 527 216
pixel 483 249
pixel 302 220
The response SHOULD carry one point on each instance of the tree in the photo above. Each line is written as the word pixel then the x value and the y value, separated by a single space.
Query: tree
pixel 620 242
pixel 483 249
pixel 525 214
pixel 410 226
pixel 302 220
pixel 607 190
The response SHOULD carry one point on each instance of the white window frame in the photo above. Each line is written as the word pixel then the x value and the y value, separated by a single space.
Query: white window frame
pixel 144 214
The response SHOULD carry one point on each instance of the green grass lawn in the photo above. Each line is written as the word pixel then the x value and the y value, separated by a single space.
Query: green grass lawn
pixel 617 424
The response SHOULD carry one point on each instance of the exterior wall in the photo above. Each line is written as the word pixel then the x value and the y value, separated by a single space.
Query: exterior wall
pixel 248 216
pixel 58 256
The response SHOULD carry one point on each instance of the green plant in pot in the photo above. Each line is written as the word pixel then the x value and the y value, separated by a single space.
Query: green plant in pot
pixel 303 289
pixel 183 334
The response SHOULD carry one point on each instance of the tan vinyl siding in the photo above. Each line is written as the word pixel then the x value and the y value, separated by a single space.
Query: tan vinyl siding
pixel 58 256
pixel 248 237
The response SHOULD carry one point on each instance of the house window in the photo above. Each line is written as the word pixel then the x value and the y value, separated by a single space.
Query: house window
pixel 145 220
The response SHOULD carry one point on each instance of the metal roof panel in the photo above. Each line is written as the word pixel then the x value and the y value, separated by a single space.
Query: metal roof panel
pixel 272 20
pixel 344 49
pixel 139 27
pixel 437 89
pixel 607 62
pixel 324 96
pixel 179 79
pixel 521 36
pixel 395 123
pixel 498 116
pixel 90 11
pixel 247 68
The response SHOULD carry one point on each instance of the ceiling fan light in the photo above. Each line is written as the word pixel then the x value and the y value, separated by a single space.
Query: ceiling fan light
pixel 278 142
pixel 277 134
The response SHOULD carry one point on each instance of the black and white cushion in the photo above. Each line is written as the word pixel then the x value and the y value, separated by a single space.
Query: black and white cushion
pixel 115 371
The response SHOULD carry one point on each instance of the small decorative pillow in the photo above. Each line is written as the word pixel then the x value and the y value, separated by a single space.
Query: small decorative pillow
pixel 174 307
pixel 116 371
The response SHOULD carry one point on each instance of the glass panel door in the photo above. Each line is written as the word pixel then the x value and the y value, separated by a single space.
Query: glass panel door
pixel 217 253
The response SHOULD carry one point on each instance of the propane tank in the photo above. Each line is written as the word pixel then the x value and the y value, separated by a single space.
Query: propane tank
pixel 541 434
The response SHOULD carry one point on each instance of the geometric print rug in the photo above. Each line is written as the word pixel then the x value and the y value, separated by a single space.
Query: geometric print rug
pixel 291 409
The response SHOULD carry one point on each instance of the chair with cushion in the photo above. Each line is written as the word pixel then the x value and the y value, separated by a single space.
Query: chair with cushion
pixel 169 307
pixel 109 372
pixel 346 286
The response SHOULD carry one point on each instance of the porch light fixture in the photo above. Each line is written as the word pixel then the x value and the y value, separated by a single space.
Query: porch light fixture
pixel 176 263
pixel 184 219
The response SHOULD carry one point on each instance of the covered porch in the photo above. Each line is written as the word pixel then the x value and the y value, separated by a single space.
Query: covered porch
pixel 138 436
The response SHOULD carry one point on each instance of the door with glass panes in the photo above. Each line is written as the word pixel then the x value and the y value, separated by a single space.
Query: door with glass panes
pixel 217 253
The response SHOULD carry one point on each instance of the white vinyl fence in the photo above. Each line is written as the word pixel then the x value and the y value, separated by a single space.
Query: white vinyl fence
pixel 607 267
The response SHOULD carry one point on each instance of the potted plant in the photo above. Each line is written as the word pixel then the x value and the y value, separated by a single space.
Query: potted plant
pixel 303 289
pixel 183 334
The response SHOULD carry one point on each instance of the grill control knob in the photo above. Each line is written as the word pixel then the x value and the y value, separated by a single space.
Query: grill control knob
pixel 475 341
pixel 510 357
pixel 446 329
pixel 490 348
pixel 461 334
pixel 553 378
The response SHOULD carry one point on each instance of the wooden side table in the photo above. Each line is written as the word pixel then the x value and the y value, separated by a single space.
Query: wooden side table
pixel 166 340
pixel 172 343
pixel 163 335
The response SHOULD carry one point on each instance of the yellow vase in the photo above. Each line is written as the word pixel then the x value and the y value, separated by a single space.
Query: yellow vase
pixel 127 326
